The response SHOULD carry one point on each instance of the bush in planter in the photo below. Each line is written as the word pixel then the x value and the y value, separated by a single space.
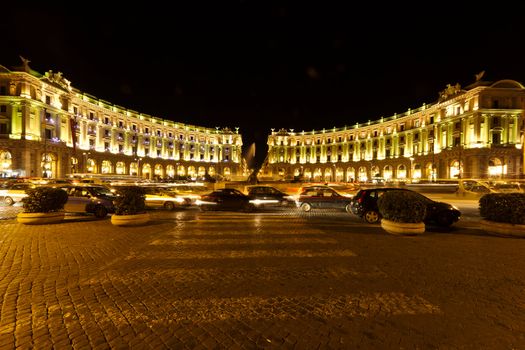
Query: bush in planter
pixel 131 200
pixel 401 206
pixel 503 207
pixel 44 200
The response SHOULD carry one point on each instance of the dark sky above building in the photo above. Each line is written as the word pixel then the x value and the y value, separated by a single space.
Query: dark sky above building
pixel 259 65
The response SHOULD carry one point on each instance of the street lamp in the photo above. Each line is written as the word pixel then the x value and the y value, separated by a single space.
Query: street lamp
pixel 433 174
pixel 45 160
pixel 138 166
pixel 411 168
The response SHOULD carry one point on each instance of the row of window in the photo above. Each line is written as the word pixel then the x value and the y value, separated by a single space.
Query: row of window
pixel 134 127
pixel 495 122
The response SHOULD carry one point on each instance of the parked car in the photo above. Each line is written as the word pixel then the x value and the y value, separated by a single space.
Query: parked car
pixel 225 199
pixel 510 187
pixel 268 196
pixel 15 192
pixel 364 205
pixel 322 197
pixel 95 199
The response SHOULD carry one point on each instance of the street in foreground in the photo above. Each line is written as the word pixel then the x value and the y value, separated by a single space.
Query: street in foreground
pixel 258 280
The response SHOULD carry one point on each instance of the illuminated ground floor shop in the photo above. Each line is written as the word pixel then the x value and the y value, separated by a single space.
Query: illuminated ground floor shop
pixel 24 158
pixel 494 163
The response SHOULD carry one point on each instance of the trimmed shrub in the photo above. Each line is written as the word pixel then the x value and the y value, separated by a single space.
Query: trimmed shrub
pixel 402 206
pixel 130 200
pixel 503 207
pixel 44 200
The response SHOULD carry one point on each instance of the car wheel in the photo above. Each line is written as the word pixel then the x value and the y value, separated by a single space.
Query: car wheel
pixel 371 216
pixel 100 212
pixel 169 206
pixel 306 207
pixel 445 220
pixel 348 208
pixel 8 201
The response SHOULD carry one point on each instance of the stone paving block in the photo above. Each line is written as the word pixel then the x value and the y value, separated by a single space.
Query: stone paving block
pixel 43 343
pixel 227 280
pixel 81 342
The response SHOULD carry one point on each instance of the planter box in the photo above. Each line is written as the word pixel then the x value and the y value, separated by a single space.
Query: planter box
pixel 40 218
pixel 503 228
pixel 130 220
pixel 403 228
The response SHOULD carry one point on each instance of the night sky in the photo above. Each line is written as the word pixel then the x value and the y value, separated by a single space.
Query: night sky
pixel 259 65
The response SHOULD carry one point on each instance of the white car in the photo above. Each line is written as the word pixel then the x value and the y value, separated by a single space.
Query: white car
pixel 158 197
pixel 15 192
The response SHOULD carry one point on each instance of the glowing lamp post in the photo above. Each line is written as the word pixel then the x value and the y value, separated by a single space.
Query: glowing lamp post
pixel 411 168
pixel 138 166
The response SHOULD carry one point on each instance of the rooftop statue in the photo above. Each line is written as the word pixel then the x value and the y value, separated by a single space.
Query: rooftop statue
pixel 479 75
pixel 25 64
pixel 58 79
pixel 449 91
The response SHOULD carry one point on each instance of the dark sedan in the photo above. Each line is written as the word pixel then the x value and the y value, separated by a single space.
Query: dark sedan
pixel 322 197
pixel 225 199
pixel 364 205
pixel 268 196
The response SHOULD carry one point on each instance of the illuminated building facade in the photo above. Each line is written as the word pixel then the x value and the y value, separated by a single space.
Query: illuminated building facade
pixel 475 132
pixel 50 129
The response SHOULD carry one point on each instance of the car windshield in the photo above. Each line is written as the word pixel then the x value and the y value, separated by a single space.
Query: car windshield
pixel 102 191
pixel 423 198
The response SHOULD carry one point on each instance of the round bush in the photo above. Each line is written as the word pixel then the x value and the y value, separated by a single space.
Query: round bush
pixel 44 200
pixel 130 200
pixel 503 207
pixel 402 206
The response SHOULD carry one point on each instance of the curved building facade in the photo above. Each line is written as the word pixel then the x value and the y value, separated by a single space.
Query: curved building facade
pixel 50 129
pixel 476 132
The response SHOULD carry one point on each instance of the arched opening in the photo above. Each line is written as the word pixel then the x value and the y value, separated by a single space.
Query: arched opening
pixel 133 169
pixel 317 174
pixel 350 174
pixel 6 164
pixel 388 173
pixel 48 165
pixel 120 168
pixel 170 171
pixel 496 168
pixel 401 172
pixel 191 171
pixel 201 172
pixel 328 175
pixel 339 175
pixel 307 174
pixel 158 171
pixel 146 171
pixel 362 176
pixel 73 165
pixel 417 172
pixel 375 172
pixel 455 169
pixel 430 172
pixel 91 166
pixel 106 167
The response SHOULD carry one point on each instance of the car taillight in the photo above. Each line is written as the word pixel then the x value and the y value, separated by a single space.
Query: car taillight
pixel 361 197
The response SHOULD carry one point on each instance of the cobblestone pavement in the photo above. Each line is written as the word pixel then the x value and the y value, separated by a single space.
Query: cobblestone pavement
pixel 286 280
